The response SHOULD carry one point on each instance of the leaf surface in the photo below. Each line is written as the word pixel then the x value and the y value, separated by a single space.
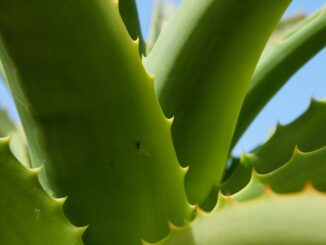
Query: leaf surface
pixel 203 61
pixel 304 132
pixel 270 219
pixel 281 62
pixel 27 214
pixel 92 119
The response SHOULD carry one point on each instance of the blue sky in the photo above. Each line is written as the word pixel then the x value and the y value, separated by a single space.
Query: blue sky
pixel 290 102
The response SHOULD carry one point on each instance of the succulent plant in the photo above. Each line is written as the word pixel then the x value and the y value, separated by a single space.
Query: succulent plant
pixel 131 145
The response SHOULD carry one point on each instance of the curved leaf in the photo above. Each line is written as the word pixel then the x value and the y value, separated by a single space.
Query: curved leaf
pixel 129 14
pixel 305 132
pixel 302 168
pixel 27 214
pixel 202 74
pixel 92 119
pixel 270 219
pixel 162 11
pixel 6 125
pixel 18 142
pixel 282 61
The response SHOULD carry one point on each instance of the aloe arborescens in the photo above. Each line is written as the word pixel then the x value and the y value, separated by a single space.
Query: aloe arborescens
pixel 138 143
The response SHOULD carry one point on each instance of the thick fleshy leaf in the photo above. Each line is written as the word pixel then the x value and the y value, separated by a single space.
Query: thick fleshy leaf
pixel 305 132
pixel 162 12
pixel 270 219
pixel 6 125
pixel 129 14
pixel 303 167
pixel 18 140
pixel 281 62
pixel 202 75
pixel 27 214
pixel 283 28
pixel 92 119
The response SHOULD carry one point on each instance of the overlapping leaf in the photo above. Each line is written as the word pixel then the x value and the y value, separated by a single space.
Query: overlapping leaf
pixel 282 61
pixel 202 74
pixel 27 214
pixel 92 119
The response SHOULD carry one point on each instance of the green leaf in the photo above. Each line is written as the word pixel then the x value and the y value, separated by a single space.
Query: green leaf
pixel 283 28
pixel 282 61
pixel 202 74
pixel 18 143
pixel 162 12
pixel 305 132
pixel 270 219
pixel 6 125
pixel 2 73
pixel 92 119
pixel 302 168
pixel 27 214
pixel 129 14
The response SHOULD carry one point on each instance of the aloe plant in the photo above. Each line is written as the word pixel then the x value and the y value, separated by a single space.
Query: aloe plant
pixel 130 145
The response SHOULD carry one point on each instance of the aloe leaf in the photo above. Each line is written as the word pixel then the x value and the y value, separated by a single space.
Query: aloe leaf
pixel 6 125
pixel 92 119
pixel 202 72
pixel 27 214
pixel 283 28
pixel 162 12
pixel 2 73
pixel 304 133
pixel 283 60
pixel 258 221
pixel 18 142
pixel 129 14
pixel 303 167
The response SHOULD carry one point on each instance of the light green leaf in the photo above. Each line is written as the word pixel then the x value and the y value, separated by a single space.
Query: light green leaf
pixel 202 75
pixel 282 61
pixel 270 219
pixel 18 143
pixel 162 12
pixel 2 73
pixel 92 119
pixel 27 214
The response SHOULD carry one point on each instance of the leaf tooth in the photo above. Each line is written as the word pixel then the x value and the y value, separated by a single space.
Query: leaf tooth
pixel 79 231
pixel 184 170
pixel 170 121
pixel 173 227
pixel 225 201
pixel 247 158
pixel 315 103
pixel 60 201
pixel 296 153
pixel 200 212
pixel 279 126
pixel 36 171
pixel 136 42
pixel 268 191
pixel 5 141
